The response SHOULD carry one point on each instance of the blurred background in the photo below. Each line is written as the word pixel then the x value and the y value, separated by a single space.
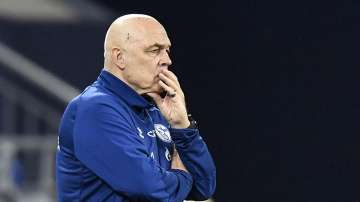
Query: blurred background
pixel 273 85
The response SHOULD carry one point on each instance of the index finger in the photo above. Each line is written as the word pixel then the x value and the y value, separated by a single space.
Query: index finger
pixel 171 75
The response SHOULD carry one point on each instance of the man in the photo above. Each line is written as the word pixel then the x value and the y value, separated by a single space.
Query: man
pixel 115 144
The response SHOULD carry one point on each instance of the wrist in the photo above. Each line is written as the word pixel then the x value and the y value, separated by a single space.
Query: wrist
pixel 189 123
pixel 183 124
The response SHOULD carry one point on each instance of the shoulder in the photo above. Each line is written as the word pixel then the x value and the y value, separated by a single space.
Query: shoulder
pixel 97 99
pixel 94 94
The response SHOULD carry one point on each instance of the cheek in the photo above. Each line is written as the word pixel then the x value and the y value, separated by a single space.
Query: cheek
pixel 146 76
pixel 151 71
pixel 145 71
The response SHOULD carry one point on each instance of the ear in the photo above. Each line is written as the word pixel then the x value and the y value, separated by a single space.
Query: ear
pixel 117 56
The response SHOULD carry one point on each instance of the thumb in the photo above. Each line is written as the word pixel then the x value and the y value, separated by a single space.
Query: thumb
pixel 156 97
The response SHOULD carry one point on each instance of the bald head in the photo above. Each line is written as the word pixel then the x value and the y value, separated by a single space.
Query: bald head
pixel 127 29
pixel 136 49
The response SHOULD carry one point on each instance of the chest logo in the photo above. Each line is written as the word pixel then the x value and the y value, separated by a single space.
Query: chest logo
pixel 162 132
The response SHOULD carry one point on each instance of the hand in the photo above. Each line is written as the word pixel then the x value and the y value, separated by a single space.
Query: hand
pixel 172 106
pixel 176 162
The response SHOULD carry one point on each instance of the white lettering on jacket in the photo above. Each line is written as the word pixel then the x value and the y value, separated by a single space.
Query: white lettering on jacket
pixel 151 133
pixel 140 133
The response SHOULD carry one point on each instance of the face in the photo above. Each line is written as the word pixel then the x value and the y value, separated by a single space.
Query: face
pixel 147 53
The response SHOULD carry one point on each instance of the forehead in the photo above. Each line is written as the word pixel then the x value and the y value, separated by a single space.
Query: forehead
pixel 152 33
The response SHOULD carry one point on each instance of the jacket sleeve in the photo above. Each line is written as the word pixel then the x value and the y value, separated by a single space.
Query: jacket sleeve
pixel 106 143
pixel 197 159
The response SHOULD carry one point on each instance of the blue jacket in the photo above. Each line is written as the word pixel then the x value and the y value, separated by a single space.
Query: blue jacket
pixel 114 145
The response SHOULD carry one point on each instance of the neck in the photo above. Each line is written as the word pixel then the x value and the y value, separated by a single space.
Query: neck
pixel 118 74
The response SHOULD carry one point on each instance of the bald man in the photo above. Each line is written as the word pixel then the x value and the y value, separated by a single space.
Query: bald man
pixel 128 136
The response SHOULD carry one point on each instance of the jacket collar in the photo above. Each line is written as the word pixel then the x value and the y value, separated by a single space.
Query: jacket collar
pixel 122 90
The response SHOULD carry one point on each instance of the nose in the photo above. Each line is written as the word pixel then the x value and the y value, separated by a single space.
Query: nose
pixel 165 59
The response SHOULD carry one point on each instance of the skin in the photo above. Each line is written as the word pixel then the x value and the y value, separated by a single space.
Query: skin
pixel 137 52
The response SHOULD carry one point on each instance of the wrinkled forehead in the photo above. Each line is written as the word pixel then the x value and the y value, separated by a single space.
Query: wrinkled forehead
pixel 147 34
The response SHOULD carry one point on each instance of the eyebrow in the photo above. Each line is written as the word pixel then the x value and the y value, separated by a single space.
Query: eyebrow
pixel 159 45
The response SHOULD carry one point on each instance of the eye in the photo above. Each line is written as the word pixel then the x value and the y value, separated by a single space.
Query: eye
pixel 155 50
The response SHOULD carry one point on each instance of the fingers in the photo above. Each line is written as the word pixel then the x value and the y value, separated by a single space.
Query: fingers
pixel 156 97
pixel 168 81
pixel 170 91
pixel 171 75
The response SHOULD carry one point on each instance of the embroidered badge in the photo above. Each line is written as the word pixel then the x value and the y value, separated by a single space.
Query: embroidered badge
pixel 162 132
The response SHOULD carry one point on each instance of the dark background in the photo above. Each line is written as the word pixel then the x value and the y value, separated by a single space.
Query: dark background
pixel 273 85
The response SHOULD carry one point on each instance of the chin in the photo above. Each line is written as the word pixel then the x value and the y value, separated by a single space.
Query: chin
pixel 154 89
pixel 157 89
